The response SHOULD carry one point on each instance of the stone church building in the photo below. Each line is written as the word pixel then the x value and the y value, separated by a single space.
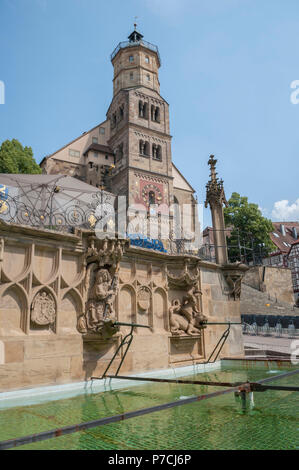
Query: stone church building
pixel 130 152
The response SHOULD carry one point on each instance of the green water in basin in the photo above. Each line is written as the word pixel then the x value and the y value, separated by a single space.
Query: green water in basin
pixel 218 423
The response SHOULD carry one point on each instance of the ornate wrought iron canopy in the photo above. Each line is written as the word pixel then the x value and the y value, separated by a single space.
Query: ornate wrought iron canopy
pixel 51 201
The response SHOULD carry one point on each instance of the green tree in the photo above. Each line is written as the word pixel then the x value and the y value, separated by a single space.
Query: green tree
pixel 14 158
pixel 250 235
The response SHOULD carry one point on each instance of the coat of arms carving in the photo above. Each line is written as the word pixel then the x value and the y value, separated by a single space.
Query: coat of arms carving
pixel 43 310
pixel 144 299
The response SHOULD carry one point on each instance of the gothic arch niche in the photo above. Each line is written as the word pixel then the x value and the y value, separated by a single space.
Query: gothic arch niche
pixel 16 270
pixel 45 264
pixel 160 319
pixel 70 309
pixel 13 311
pixel 127 304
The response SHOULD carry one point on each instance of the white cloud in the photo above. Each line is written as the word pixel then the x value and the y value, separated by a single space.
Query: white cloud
pixel 284 211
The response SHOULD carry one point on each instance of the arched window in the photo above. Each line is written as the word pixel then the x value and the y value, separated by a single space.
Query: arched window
pixel 140 108
pixel 152 112
pixel 141 147
pixel 121 112
pixel 154 151
pixel 143 110
pixel 157 152
pixel 146 148
pixel 157 114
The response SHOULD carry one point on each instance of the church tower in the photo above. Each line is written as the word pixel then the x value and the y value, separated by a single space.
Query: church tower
pixel 139 125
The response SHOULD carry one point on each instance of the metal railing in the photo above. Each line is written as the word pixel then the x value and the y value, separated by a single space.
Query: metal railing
pixel 270 325
pixel 145 44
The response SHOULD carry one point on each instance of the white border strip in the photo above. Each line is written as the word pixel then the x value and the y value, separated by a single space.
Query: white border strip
pixel 34 396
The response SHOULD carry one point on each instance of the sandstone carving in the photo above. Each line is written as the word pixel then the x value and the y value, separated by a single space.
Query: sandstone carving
pixel 101 286
pixel 105 251
pixel 144 299
pixel 233 274
pixel 185 277
pixel 185 317
pixel 99 306
pixel 43 310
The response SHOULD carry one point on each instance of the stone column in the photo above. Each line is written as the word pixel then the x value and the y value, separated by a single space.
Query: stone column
pixel 215 198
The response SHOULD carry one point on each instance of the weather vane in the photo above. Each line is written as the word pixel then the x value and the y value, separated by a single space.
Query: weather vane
pixel 135 23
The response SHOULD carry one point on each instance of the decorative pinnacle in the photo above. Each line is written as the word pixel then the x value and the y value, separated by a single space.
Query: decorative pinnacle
pixel 212 162
pixel 215 189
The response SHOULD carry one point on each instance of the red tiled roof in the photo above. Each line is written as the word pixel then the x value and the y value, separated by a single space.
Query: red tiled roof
pixel 288 238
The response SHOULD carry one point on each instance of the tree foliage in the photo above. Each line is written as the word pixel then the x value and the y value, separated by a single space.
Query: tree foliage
pixel 250 229
pixel 14 158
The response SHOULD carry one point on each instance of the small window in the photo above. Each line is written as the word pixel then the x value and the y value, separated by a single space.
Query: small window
pixel 131 58
pixel 102 130
pixel 95 154
pixel 147 60
pixel 94 140
pixel 148 77
pixel 106 157
pixel 90 164
pixel 131 76
pixel 74 153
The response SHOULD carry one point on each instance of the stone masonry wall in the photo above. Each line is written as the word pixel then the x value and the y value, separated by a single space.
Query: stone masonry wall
pixel 43 274
pixel 275 281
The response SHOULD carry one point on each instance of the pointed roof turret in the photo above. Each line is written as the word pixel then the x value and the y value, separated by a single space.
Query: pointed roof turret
pixel 135 36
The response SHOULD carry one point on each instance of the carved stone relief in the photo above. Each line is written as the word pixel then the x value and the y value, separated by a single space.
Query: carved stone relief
pixel 101 287
pixel 43 310
pixel 144 299
pixel 185 316
pixel 233 275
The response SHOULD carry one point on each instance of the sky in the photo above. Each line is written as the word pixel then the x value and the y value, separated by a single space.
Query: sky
pixel 227 70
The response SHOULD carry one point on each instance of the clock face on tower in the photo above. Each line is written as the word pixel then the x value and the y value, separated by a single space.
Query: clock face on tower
pixel 151 194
